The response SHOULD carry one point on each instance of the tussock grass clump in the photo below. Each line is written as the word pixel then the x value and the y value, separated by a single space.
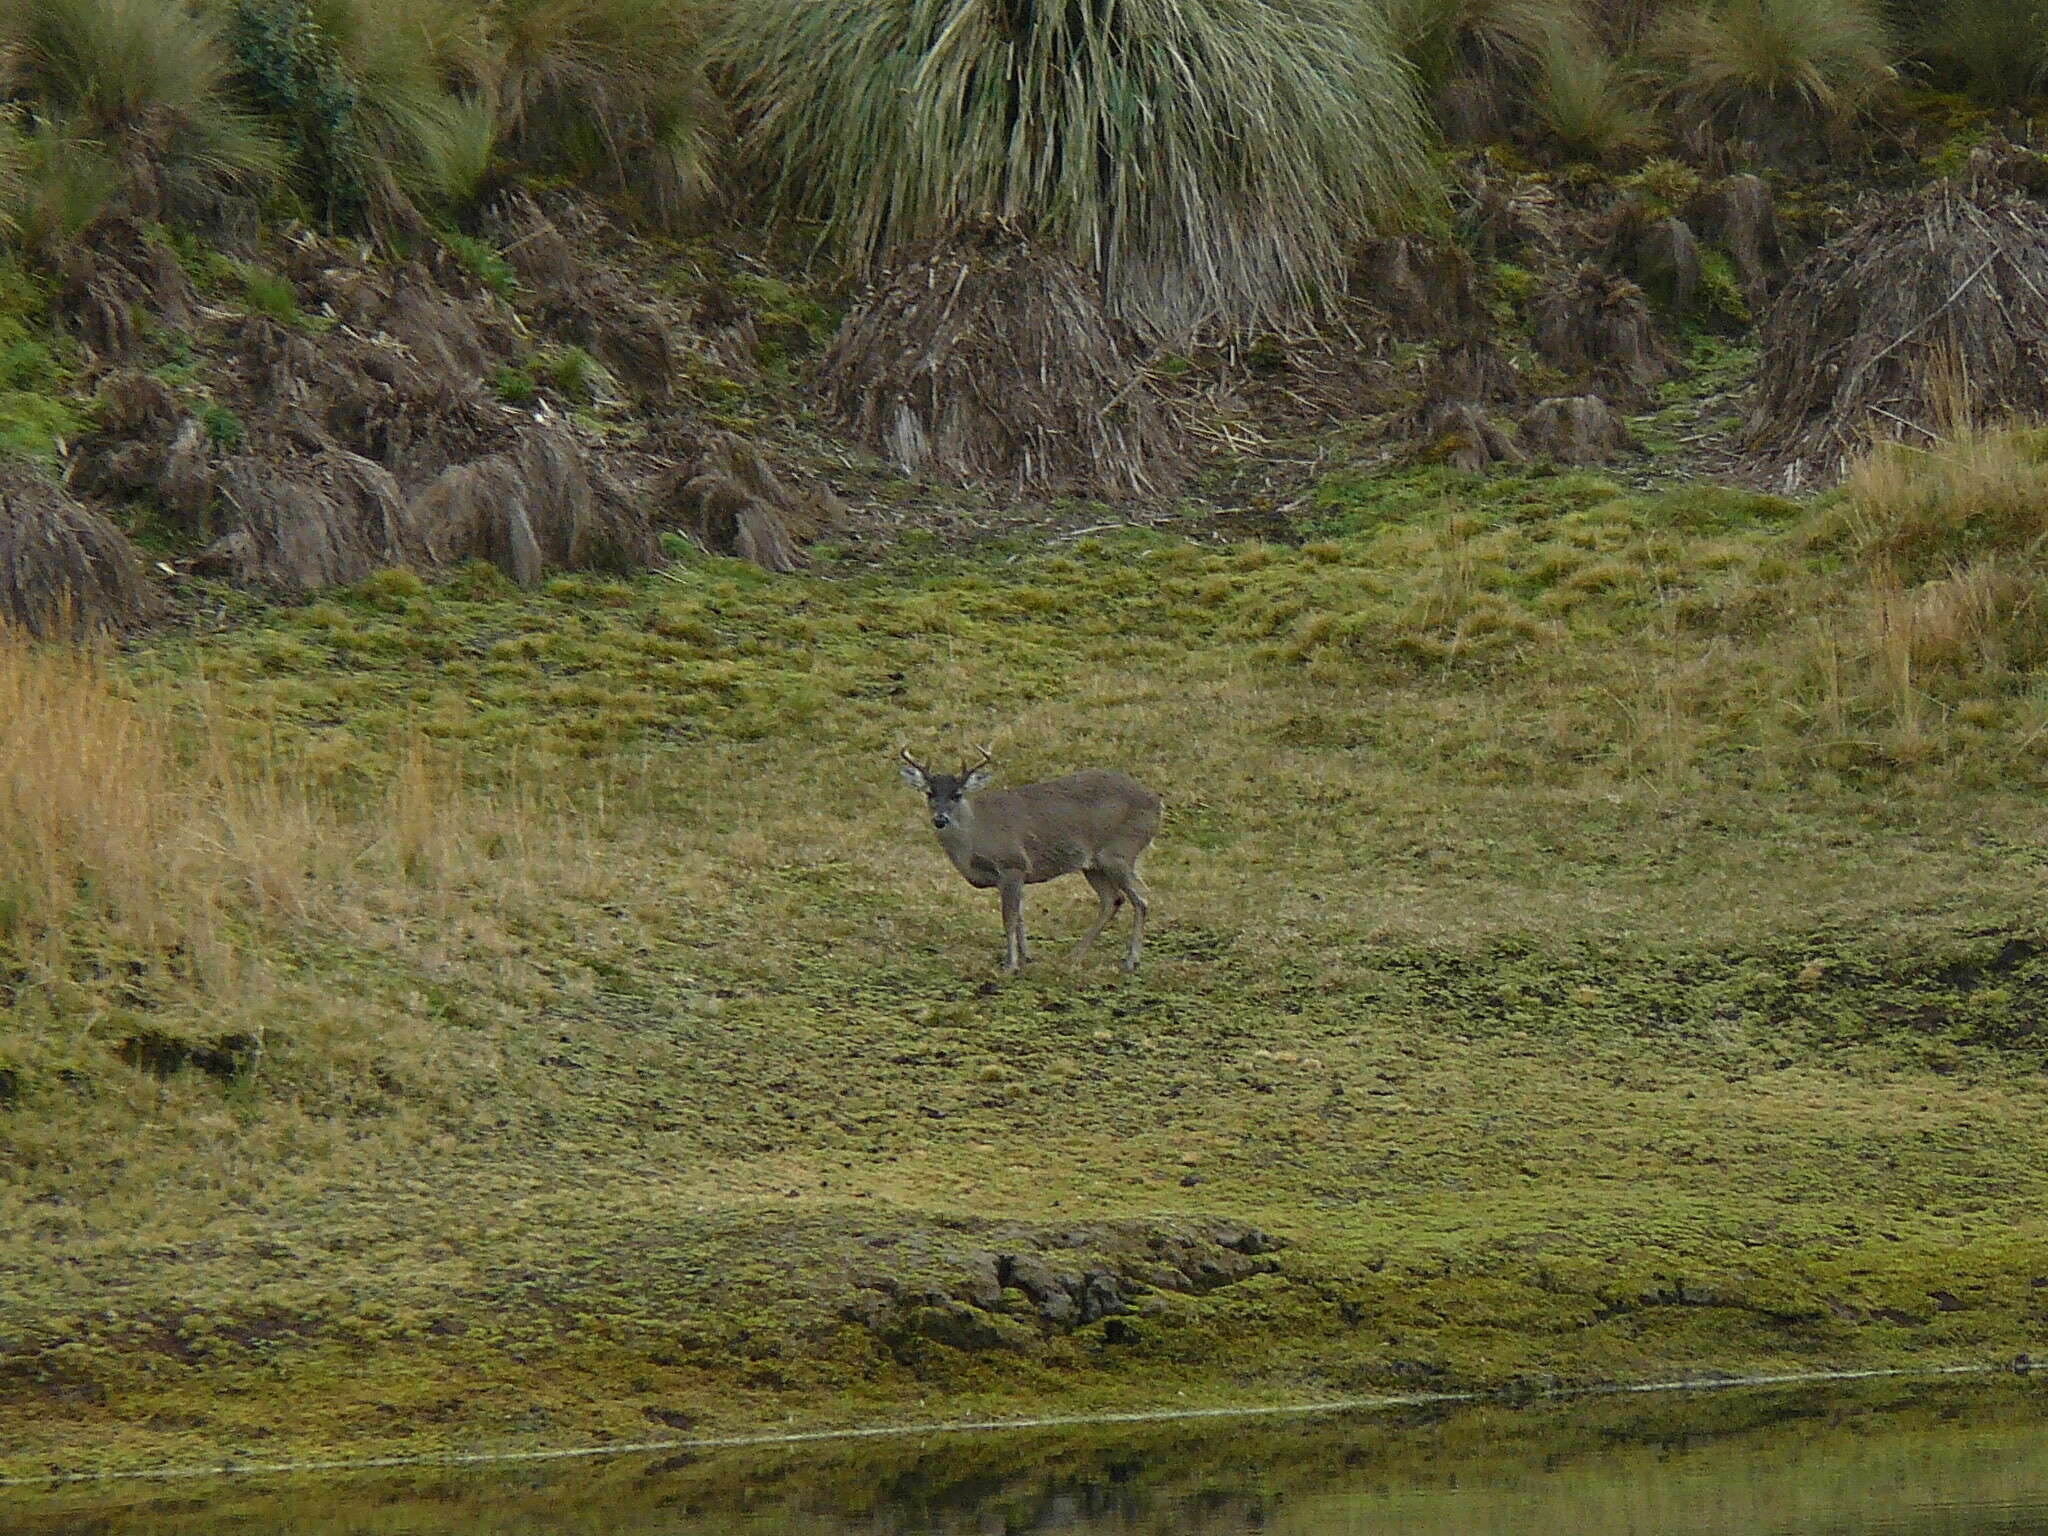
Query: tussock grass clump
pixel 608 89
pixel 1481 62
pixel 1444 39
pixel 1583 100
pixel 1996 50
pixel 1210 162
pixel 1771 78
pixel 542 505
pixel 149 85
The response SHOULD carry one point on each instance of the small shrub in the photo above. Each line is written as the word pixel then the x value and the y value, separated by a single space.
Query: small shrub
pixel 512 385
pixel 483 261
pixel 224 429
pixel 269 294
pixel 572 372
pixel 290 68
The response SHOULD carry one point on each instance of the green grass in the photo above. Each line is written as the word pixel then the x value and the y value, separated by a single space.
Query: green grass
pixel 1573 972
pixel 34 372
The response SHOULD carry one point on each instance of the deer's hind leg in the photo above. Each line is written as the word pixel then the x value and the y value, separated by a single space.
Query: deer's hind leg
pixel 1111 895
pixel 1125 877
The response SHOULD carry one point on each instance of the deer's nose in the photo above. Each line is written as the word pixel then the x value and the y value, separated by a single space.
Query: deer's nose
pixel 942 821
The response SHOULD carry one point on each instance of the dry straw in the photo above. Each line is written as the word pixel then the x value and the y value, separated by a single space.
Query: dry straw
pixel 1939 298
pixel 990 359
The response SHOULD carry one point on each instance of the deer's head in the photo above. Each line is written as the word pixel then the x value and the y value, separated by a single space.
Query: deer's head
pixel 946 793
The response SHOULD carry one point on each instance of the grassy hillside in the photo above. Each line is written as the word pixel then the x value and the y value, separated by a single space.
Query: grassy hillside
pixel 1598 935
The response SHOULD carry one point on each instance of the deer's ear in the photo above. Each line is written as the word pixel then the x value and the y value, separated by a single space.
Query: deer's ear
pixel 976 779
pixel 913 776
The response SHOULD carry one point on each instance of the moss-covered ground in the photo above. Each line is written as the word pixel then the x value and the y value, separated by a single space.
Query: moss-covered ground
pixel 1572 945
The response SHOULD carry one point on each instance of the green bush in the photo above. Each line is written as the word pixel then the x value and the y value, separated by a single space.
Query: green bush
pixel 224 429
pixel 292 71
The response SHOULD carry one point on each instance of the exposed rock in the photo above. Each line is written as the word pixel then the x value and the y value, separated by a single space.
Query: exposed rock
pixel 1037 1283
pixel 1667 257
pixel 1473 371
pixel 1463 436
pixel 1737 214
pixel 960 1326
pixel 1427 288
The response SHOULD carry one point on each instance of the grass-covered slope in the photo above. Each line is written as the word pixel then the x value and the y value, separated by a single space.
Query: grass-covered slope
pixel 447 1015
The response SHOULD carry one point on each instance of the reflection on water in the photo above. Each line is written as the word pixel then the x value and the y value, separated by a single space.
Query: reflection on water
pixel 1893 1459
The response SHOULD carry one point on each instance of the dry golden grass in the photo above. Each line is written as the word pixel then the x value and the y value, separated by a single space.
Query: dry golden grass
pixel 166 887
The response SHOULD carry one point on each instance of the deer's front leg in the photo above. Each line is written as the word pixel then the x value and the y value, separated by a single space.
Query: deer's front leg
pixel 1014 954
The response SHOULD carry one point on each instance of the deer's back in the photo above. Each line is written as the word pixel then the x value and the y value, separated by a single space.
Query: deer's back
pixel 1062 825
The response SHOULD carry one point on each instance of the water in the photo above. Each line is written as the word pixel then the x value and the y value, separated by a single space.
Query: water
pixel 1894 1459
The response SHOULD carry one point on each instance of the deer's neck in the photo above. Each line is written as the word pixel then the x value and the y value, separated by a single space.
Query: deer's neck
pixel 961 840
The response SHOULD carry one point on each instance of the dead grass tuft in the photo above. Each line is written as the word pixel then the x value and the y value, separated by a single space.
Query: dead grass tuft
pixel 1925 317
pixel 64 569
pixel 986 360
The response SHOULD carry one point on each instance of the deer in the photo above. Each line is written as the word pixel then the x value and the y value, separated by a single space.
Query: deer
pixel 1095 823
